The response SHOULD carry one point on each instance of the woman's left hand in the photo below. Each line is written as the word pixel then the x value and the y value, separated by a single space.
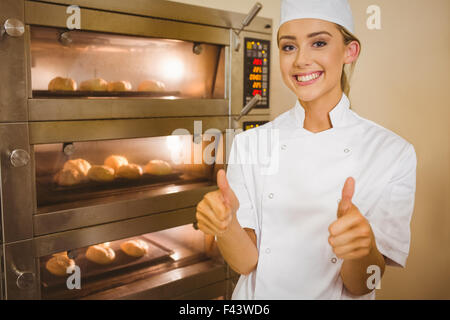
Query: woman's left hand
pixel 351 236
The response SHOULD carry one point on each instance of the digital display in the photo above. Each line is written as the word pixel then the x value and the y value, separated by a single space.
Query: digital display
pixel 252 124
pixel 256 71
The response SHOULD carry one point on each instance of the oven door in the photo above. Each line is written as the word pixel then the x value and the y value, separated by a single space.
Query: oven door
pixel 115 36
pixel 174 263
pixel 122 66
pixel 33 154
pixel 59 210
pixel 177 262
pixel 65 202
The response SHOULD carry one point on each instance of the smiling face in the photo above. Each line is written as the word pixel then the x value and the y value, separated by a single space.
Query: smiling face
pixel 312 54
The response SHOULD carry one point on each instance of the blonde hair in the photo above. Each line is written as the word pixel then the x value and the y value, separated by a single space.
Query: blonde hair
pixel 345 77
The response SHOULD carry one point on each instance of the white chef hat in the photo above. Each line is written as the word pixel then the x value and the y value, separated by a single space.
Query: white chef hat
pixel 337 11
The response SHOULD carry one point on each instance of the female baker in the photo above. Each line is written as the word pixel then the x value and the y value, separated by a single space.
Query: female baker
pixel 334 205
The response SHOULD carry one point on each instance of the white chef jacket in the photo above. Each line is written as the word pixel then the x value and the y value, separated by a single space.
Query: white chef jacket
pixel 289 182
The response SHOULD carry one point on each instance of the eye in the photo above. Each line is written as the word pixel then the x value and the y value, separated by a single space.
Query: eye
pixel 319 44
pixel 287 48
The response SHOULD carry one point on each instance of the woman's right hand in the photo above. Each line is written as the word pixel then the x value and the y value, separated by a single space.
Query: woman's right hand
pixel 217 209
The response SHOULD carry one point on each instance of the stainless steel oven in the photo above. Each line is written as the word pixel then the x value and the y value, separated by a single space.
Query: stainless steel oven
pixel 110 135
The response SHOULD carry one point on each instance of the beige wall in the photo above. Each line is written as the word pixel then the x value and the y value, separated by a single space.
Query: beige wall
pixel 401 81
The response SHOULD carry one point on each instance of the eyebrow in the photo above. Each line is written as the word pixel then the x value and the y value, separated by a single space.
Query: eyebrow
pixel 311 35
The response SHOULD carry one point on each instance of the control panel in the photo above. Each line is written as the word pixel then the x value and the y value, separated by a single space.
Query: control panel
pixel 256 71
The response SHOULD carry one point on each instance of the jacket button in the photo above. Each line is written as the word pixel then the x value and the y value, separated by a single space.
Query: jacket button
pixel 346 150
pixel 283 147
pixel 270 195
pixel 333 260
pixel 267 250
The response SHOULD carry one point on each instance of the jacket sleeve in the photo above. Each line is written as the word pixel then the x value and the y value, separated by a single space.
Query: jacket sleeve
pixel 239 177
pixel 390 217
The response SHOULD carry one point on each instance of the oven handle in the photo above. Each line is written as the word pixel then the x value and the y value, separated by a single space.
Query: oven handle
pixel 19 158
pixel 12 27
pixel 25 279
pixel 246 109
pixel 247 20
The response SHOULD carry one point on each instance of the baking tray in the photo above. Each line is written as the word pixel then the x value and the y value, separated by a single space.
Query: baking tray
pixel 157 253
pixel 145 179
pixel 124 94
pixel 49 192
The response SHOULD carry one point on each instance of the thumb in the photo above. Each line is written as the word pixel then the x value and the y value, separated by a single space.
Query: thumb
pixel 224 187
pixel 347 194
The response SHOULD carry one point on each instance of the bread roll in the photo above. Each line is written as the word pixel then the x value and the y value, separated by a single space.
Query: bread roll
pixel 129 171
pixel 100 254
pixel 158 167
pixel 62 84
pixel 68 177
pixel 73 172
pixel 101 173
pixel 97 84
pixel 119 86
pixel 135 248
pixel 115 162
pixel 58 264
pixel 152 85
pixel 81 165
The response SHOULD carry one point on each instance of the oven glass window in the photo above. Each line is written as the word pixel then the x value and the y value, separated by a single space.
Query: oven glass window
pixel 133 266
pixel 70 175
pixel 74 64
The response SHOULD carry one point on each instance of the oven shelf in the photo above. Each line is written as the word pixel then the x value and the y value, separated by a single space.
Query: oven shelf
pixel 148 279
pixel 49 193
pixel 156 254
pixel 110 194
pixel 88 94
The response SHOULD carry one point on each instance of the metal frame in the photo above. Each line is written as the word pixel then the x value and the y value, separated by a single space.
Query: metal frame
pixel 21 271
pixel 167 10
pixel 13 104
pixel 87 109
pixel 156 201
pixel 90 130
pixel 2 280
pixel 204 280
pixel 37 13
pixel 16 184
pixel 27 233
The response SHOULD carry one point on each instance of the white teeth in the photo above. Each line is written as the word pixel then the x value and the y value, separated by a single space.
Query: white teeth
pixel 308 77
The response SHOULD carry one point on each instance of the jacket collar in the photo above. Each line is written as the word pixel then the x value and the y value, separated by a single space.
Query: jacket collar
pixel 337 114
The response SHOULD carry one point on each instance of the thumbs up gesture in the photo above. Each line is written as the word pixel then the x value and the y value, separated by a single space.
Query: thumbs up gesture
pixel 217 208
pixel 351 236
